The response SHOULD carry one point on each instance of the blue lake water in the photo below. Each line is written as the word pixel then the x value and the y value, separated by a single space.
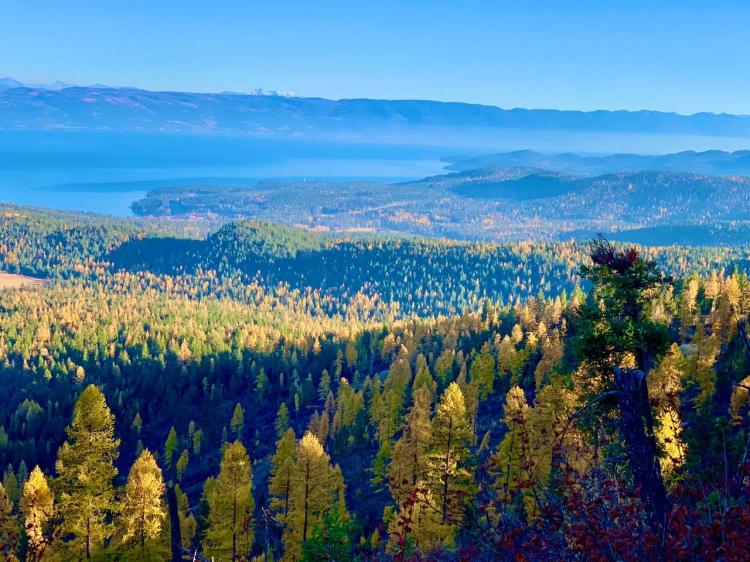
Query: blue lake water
pixel 106 172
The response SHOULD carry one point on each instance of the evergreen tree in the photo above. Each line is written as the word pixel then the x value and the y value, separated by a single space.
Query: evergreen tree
pixel 85 468
pixel 409 465
pixel 619 342
pixel 170 447
pixel 237 424
pixel 188 524
pixel 143 514
pixel 314 490
pixel 10 528
pixel 37 506
pixel 230 531
pixel 483 371
pixel 282 420
pixel 330 540
pixel 280 482
pixel 449 479
pixel 182 463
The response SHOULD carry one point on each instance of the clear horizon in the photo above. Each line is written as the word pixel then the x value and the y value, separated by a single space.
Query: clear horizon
pixel 686 57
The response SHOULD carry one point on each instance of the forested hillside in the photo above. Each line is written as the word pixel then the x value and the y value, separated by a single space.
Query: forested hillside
pixel 485 204
pixel 712 162
pixel 263 392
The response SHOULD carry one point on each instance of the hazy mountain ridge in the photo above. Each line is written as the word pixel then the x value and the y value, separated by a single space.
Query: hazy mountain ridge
pixel 131 109
pixel 711 162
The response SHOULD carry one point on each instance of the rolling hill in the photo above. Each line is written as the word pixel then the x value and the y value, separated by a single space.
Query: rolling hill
pixel 713 162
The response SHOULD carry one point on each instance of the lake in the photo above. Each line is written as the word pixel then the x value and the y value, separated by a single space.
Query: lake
pixel 105 172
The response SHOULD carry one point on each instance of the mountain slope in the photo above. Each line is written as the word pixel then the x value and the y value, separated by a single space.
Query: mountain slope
pixel 130 109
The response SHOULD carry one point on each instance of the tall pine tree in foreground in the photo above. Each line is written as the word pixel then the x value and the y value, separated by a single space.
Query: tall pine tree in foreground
pixel 280 482
pixel 450 481
pixel 230 531
pixel 143 511
pixel 619 341
pixel 316 488
pixel 85 468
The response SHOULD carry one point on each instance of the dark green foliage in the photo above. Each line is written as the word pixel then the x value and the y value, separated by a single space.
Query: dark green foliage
pixel 330 541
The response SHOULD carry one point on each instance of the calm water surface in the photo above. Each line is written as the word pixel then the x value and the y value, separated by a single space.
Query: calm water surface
pixel 105 172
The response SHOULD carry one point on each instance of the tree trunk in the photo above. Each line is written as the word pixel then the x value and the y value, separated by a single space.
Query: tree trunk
pixel 637 427
pixel 174 525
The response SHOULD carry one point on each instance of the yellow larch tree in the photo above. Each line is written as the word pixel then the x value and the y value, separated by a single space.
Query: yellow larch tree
pixel 85 468
pixel 143 513
pixel 280 482
pixel 316 487
pixel 448 480
pixel 230 531
pixel 37 506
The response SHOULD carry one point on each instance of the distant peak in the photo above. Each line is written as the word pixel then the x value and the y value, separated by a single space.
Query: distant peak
pixel 262 92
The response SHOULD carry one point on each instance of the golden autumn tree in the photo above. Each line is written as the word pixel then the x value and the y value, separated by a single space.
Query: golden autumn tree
pixel 143 514
pixel 386 409
pixel 280 482
pixel 666 386
pixel 230 531
pixel 37 506
pixel 85 468
pixel 409 464
pixel 418 523
pixel 513 453
pixel 188 524
pixel 417 518
pixel 523 461
pixel 316 489
pixel 448 479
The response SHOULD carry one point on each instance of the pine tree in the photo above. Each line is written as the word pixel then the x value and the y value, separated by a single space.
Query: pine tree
pixel 37 506
pixel 143 512
pixel 280 482
pixel 182 463
pixel 483 371
pixel 423 378
pixel 282 420
pixel 10 483
pixel 170 447
pixel 314 490
pixel 387 410
pixel 380 465
pixel 512 456
pixel 188 524
pixel 237 424
pixel 230 531
pixel 409 465
pixel 10 528
pixel 85 468
pixel 449 480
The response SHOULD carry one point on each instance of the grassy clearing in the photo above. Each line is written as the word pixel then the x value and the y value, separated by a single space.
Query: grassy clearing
pixel 13 281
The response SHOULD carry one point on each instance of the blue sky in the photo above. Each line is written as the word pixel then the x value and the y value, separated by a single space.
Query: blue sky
pixel 683 56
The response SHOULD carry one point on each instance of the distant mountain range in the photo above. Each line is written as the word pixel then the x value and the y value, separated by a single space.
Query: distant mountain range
pixel 60 106
pixel 9 83
pixel 711 162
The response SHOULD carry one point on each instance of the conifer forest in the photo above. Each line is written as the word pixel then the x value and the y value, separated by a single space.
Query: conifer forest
pixel 257 392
